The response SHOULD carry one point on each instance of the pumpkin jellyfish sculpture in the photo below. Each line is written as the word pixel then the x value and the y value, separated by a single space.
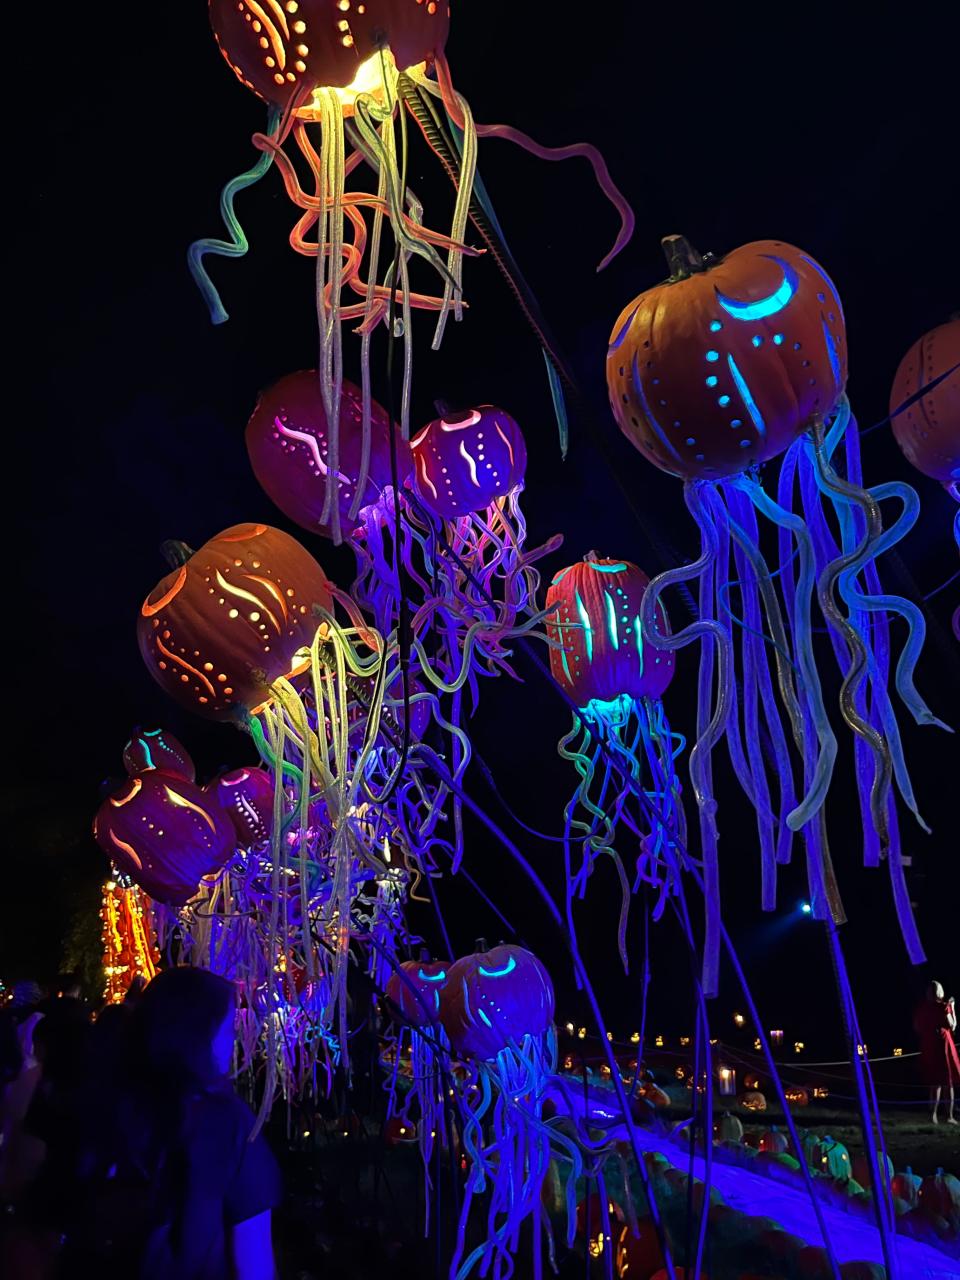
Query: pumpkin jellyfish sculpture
pixel 927 429
pixel 348 74
pixel 728 364
pixel 413 992
pixel 497 1010
pixel 599 658
pixel 233 632
pixel 453 551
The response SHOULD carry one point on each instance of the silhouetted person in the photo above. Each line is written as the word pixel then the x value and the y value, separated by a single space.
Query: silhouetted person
pixel 935 1022
pixel 186 1134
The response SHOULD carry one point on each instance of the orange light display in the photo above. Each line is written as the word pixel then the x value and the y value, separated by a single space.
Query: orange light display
pixel 129 939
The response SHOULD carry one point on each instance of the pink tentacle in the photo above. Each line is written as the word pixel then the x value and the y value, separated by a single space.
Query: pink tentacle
pixel 583 149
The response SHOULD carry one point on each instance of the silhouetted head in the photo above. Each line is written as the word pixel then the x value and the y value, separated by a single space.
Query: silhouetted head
pixel 184 1026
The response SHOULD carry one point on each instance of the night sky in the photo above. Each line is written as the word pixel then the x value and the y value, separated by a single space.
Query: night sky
pixel 825 127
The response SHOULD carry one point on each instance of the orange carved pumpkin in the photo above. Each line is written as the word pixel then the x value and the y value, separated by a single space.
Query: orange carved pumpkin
pixel 284 49
pixel 594 618
pixel 416 994
pixel 493 997
pixel 219 630
pixel 165 834
pixel 774 1140
pixel 157 749
pixel 725 363
pixel 753 1100
pixel 928 431
pixel 288 441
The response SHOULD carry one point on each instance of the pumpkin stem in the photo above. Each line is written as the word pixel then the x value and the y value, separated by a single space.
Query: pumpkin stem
pixel 175 552
pixel 449 414
pixel 682 258
pixel 591 557
pixel 481 944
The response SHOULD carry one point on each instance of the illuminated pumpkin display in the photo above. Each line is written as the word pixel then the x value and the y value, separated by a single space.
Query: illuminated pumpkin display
pixel 318 62
pixel 493 997
pixel 158 749
pixel 600 656
pixel 289 447
pixel 165 834
pixel 128 938
pixel 497 1009
pixel 928 430
pixel 416 994
pixel 831 1157
pixel 286 52
pixel 598 652
pixel 753 1100
pixel 732 362
pixel 464 462
pixel 218 631
pixel 246 797
pixel 775 1141
pixel 413 995
pixel 764 328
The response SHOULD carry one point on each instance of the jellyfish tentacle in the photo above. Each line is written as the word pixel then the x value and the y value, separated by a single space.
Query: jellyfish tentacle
pixel 703 784
pixel 831 483
pixel 757 669
pixel 827 551
pixel 461 213
pixel 238 245
pixel 708 629
pixel 803 646
pixel 911 613
pixel 588 152
pixel 753 657
pixel 741 765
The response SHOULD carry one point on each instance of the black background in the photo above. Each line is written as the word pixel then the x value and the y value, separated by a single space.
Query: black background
pixel 830 127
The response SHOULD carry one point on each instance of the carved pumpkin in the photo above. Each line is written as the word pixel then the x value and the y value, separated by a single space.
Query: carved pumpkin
pixel 246 797
pixel 774 1140
pixel 287 441
pixel 831 1157
pixel 165 834
pixel 639 1255
pixel 728 1128
pixel 928 431
pixel 752 1100
pixel 724 364
pixel 284 49
pixel 220 629
pixel 594 616
pixel 493 997
pixel 906 1186
pixel 797 1097
pixel 463 462
pixel 940 1194
pixel 863 1172
pixel 417 993
pixel 157 749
